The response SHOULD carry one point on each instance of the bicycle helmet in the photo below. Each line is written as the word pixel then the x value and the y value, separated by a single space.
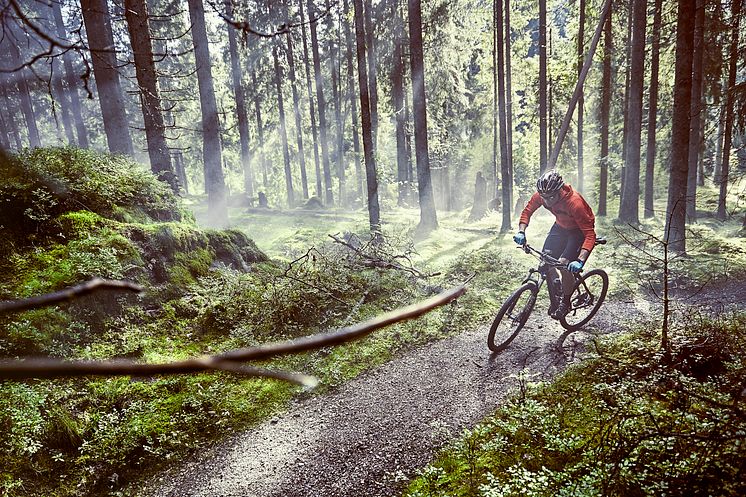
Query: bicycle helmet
pixel 549 182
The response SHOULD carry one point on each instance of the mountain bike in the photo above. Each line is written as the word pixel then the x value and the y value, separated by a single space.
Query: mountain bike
pixel 587 296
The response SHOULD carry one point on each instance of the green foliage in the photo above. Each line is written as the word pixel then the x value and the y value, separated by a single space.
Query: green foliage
pixel 622 423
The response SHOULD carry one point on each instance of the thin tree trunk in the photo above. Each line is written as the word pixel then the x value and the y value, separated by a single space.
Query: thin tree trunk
pixel 682 101
pixel 242 117
pixel 70 79
pixel 721 134
pixel 509 100
pixel 581 37
pixel 155 133
pixel 543 85
pixel 259 127
pixel 504 172
pixel 213 163
pixel 61 97
pixel 603 177
pixel 283 130
pixel 17 80
pixel 311 105
pixel 329 193
pixel 370 160
pixel 730 111
pixel 409 126
pixel 625 103
pixel 428 216
pixel 397 96
pixel 353 103
pixel 4 134
pixel 495 98
pixel 370 43
pixel 629 205
pixel 653 111
pixel 336 100
pixel 103 56
pixel 694 141
pixel 296 111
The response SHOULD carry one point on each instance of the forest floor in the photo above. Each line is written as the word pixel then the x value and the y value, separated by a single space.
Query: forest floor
pixel 370 436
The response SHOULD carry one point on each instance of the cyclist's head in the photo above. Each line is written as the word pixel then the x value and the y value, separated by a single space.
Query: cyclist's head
pixel 549 183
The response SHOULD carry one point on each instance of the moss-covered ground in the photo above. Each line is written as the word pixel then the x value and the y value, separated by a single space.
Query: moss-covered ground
pixel 271 278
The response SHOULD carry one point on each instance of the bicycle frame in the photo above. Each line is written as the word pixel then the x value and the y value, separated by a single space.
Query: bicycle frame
pixel 544 259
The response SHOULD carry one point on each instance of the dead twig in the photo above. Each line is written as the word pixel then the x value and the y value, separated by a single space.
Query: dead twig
pixel 227 361
pixel 67 294
pixel 377 262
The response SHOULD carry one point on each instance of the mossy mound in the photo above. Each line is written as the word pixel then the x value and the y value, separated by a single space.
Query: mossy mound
pixel 67 215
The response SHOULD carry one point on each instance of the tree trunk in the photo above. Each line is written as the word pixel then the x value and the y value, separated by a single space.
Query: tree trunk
pixel 103 56
pixel 213 163
pixel 296 110
pixel 409 127
pixel 239 95
pixel 543 85
pixel 625 103
pixel 283 130
pixel 370 43
pixel 18 83
pixel 70 79
pixel 259 128
pixel 428 216
pixel 653 111
pixel 4 134
pixel 155 133
pixel 370 162
pixel 675 233
pixel 353 102
pixel 581 36
pixel 495 98
pixel 504 172
pixel 694 141
pixel 61 97
pixel 603 177
pixel 397 96
pixel 509 99
pixel 336 80
pixel 722 180
pixel 311 106
pixel 329 193
pixel 629 205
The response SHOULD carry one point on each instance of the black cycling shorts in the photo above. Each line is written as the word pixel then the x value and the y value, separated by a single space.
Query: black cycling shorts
pixel 562 242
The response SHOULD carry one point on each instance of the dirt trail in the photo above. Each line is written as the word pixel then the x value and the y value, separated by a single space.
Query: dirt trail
pixel 369 436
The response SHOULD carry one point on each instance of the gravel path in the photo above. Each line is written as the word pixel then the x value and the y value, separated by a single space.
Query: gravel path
pixel 369 436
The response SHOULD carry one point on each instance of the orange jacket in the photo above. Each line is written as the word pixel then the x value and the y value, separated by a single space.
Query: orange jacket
pixel 571 212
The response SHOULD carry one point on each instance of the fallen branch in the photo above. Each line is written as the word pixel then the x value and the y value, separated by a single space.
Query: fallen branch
pixel 377 262
pixel 67 294
pixel 228 361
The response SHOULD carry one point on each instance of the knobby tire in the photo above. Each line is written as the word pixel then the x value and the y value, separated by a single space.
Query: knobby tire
pixel 598 299
pixel 498 339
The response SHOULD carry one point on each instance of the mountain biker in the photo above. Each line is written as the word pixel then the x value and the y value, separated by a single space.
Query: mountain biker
pixel 571 239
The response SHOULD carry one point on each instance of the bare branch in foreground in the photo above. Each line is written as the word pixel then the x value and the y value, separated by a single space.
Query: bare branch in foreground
pixel 71 293
pixel 228 361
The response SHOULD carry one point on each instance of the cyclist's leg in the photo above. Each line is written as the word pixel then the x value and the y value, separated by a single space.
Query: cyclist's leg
pixel 554 245
pixel 570 252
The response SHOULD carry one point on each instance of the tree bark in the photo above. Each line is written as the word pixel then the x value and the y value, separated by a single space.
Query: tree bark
pixel 625 103
pixel 337 101
pixel 296 110
pixel 213 163
pixel 103 55
pixel 495 98
pixel 542 85
pixel 239 96
pixel 311 105
pixel 138 25
pixel 603 177
pixel 722 180
pixel 397 97
pixel 370 43
pixel 629 205
pixel 696 111
pixel 353 102
pixel 328 192
pixel 653 111
pixel 675 233
pixel 504 172
pixel 370 160
pixel 428 216
pixel 509 98
pixel 283 130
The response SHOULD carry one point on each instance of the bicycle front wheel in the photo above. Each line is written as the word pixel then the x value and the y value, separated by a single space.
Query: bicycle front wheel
pixel 512 316
pixel 587 296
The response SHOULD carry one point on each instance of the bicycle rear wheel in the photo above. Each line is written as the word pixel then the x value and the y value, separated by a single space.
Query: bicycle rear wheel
pixel 587 296
pixel 512 316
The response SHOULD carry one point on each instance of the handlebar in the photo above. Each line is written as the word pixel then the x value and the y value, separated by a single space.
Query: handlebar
pixel 548 258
